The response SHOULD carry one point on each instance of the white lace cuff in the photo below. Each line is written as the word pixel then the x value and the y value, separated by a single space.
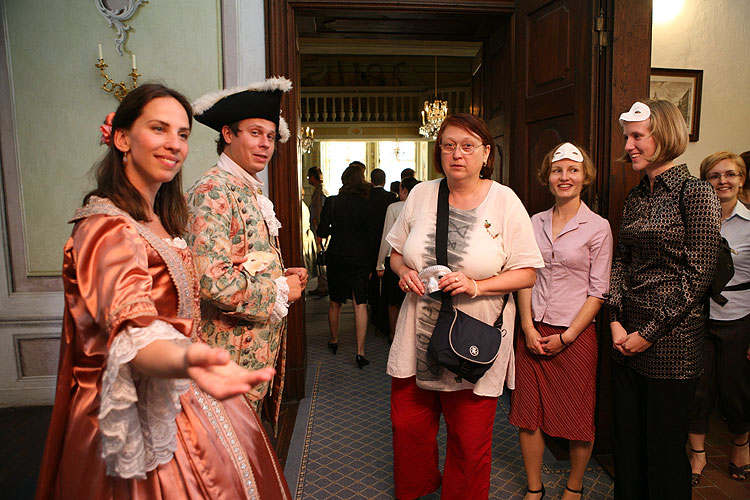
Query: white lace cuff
pixel 137 413
pixel 281 306
pixel 266 209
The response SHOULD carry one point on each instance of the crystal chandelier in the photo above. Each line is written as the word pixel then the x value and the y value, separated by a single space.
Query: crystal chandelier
pixel 398 153
pixel 433 114
pixel 432 117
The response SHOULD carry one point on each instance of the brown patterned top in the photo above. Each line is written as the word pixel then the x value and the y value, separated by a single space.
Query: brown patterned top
pixel 661 271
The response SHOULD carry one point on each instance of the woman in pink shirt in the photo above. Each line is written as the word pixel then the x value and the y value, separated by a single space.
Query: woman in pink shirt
pixel 556 355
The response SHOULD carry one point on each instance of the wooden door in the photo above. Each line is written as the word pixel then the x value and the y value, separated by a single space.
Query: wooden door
pixel 285 184
pixel 577 65
pixel 549 72
pixel 553 91
pixel 492 92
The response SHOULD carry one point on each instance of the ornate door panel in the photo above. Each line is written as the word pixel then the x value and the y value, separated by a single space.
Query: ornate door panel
pixel 554 49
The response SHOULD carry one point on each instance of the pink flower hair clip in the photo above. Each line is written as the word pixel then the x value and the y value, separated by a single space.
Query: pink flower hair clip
pixel 106 129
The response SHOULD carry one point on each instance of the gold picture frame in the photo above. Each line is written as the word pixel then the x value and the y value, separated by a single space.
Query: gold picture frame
pixel 683 87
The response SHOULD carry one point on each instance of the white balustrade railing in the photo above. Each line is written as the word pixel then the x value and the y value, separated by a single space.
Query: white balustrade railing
pixel 349 105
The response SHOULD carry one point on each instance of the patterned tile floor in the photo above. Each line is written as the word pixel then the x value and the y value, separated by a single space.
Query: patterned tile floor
pixel 341 446
pixel 344 439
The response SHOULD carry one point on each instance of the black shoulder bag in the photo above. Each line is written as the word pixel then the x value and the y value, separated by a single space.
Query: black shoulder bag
pixel 462 344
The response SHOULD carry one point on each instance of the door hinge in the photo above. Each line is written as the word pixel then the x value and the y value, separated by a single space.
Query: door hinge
pixel 605 37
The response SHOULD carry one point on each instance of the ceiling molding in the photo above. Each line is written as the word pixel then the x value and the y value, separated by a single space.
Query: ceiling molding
pixel 383 47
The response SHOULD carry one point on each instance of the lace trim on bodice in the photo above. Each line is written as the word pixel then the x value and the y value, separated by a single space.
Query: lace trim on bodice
pixel 179 270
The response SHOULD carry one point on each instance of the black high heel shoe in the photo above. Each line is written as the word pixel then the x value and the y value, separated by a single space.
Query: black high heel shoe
pixel 533 492
pixel 695 477
pixel 333 346
pixel 361 361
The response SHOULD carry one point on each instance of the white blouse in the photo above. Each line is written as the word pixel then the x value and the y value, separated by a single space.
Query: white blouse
pixel 494 237
pixel 736 229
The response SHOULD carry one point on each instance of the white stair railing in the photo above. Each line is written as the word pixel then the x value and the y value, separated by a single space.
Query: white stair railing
pixel 350 105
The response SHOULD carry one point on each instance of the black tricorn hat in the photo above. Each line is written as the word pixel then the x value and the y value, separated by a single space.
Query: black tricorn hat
pixel 257 100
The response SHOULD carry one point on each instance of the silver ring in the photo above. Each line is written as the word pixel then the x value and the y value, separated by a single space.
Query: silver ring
pixel 456 279
pixel 408 281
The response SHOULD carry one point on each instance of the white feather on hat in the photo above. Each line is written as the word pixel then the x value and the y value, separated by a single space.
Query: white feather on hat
pixel 276 83
pixel 206 101
pixel 284 133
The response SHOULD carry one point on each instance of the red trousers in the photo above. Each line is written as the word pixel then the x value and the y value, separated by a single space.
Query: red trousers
pixel 415 419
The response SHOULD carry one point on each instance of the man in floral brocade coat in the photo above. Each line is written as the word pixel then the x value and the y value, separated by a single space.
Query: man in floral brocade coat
pixel 233 231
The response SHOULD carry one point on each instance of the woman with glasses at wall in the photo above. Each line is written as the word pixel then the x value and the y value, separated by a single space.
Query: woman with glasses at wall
pixel 491 252
pixel 726 353
pixel 557 353
pixel 663 266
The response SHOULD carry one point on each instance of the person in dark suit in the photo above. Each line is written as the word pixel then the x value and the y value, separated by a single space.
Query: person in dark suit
pixel 379 201
pixel 347 219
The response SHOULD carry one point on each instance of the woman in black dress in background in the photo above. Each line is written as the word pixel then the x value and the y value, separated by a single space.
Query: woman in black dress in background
pixel 346 219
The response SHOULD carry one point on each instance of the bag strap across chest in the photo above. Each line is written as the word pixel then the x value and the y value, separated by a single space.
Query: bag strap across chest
pixel 441 245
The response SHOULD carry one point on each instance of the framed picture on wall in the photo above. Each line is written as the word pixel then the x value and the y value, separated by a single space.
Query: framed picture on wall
pixel 683 87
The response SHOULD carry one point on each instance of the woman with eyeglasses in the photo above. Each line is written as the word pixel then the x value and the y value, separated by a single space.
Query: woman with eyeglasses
pixel 491 252
pixel 663 265
pixel 726 353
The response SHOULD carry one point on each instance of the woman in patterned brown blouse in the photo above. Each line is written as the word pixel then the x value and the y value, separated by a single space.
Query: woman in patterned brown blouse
pixel 663 266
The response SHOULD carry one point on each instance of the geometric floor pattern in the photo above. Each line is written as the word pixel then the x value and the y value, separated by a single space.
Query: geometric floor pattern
pixel 344 438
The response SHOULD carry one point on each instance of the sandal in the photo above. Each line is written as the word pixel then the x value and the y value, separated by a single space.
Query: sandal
pixel 580 492
pixel 696 476
pixel 737 472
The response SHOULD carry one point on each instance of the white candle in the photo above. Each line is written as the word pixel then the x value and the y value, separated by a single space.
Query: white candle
pixel 422 117
pixel 100 52
pixel 134 66
pixel 312 133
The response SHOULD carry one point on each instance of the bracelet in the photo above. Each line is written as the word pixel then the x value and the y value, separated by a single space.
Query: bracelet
pixel 562 341
pixel 476 289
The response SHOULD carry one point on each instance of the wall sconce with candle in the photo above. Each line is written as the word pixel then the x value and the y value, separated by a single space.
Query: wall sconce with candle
pixel 120 90
pixel 306 140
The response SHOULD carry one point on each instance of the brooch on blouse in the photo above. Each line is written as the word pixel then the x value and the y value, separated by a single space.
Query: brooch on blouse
pixel 487 226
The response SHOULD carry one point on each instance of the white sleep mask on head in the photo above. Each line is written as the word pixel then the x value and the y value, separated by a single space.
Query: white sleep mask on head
pixel 568 151
pixel 637 113
pixel 430 276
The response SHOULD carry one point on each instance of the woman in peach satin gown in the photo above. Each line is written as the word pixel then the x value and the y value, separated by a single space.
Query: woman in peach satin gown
pixel 141 411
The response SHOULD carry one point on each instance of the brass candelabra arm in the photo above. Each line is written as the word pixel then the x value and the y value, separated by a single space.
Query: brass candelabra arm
pixel 119 89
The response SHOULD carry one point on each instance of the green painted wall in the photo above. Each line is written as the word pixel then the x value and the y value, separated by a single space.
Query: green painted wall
pixel 58 103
